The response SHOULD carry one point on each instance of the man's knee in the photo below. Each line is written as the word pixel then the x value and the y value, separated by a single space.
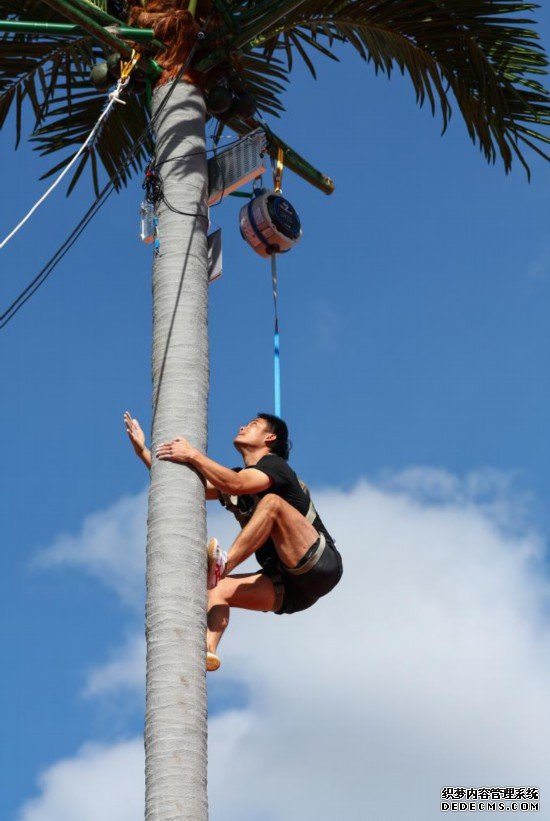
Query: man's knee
pixel 272 503
pixel 218 594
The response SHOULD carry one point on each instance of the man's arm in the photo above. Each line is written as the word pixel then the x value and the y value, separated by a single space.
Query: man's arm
pixel 137 438
pixel 230 481
pixel 224 479
pixel 210 492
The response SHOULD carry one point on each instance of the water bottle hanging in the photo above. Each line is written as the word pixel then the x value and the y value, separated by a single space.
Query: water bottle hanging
pixel 147 215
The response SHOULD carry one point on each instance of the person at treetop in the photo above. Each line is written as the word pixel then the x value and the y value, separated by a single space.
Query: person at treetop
pixel 298 558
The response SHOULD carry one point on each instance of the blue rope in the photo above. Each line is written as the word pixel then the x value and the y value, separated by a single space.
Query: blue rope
pixel 157 240
pixel 276 341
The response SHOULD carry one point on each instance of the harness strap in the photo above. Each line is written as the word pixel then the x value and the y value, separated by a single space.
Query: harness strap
pixel 312 561
pixel 311 514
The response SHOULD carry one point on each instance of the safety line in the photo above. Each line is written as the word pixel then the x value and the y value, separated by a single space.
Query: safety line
pixel 114 97
pixel 276 339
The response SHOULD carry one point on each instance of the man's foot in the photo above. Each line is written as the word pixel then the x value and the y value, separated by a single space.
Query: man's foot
pixel 216 563
pixel 212 662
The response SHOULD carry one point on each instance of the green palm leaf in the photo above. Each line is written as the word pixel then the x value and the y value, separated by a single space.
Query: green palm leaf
pixel 265 78
pixel 51 76
pixel 31 69
pixel 478 50
pixel 68 126
pixel 480 56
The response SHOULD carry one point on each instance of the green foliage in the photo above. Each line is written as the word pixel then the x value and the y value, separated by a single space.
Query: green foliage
pixel 51 76
pixel 482 56
pixel 477 53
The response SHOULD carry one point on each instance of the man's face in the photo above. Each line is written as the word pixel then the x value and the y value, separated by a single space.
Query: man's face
pixel 255 434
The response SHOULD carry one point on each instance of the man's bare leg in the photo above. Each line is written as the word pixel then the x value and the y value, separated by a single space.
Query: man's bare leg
pixel 250 591
pixel 292 534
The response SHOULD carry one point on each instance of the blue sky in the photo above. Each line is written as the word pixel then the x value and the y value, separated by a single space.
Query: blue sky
pixel 414 334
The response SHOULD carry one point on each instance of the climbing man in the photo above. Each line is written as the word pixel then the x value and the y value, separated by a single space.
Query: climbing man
pixel 298 558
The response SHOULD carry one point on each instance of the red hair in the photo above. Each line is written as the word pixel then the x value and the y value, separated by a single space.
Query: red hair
pixel 174 25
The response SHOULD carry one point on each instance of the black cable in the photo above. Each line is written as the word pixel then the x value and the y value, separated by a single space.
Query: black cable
pixel 154 193
pixel 183 213
pixel 43 275
pixel 153 182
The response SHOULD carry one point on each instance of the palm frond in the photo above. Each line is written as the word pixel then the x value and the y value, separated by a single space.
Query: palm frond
pixel 51 75
pixel 480 56
pixel 68 125
pixel 266 79
pixel 39 11
pixel 482 53
pixel 31 68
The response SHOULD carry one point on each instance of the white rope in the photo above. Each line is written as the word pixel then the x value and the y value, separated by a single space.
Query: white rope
pixel 114 97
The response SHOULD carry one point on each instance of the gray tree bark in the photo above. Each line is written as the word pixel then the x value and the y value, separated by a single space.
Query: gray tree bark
pixel 176 708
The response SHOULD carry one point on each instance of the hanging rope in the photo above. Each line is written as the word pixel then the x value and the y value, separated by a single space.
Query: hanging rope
pixel 276 341
pixel 277 180
pixel 114 97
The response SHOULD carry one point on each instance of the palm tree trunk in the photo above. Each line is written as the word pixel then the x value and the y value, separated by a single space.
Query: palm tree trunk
pixel 175 722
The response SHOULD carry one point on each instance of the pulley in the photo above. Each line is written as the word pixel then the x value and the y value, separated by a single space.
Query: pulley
pixel 269 223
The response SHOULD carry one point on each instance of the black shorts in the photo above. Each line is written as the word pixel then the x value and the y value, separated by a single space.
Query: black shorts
pixel 315 575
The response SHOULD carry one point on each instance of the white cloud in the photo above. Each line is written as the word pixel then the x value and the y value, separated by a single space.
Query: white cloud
pixel 101 783
pixel 428 666
pixel 488 490
pixel 110 546
pixel 124 671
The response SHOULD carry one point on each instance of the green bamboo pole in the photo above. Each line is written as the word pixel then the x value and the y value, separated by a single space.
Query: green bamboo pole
pixel 67 29
pixel 106 19
pixel 298 164
pixel 67 9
